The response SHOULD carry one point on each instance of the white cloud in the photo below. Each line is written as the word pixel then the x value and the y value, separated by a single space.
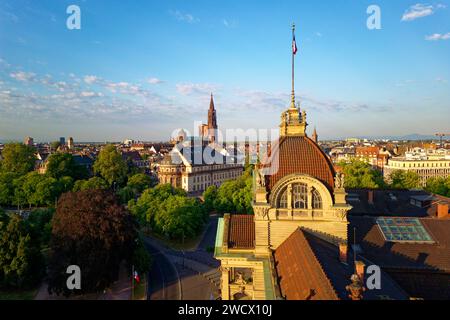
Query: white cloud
pixel 230 23
pixel 438 36
pixel 185 17
pixel 318 34
pixel 441 80
pixel 90 79
pixel 23 76
pixel 154 81
pixel 90 94
pixel 195 88
pixel 420 10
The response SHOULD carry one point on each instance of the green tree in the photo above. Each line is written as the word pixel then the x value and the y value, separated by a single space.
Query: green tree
pixel 7 187
pixel 21 263
pixel 111 166
pixel 29 187
pixel 401 179
pixel 139 182
pixel 126 194
pixel 63 165
pixel 169 212
pixel 179 218
pixel 359 174
pixel 94 183
pixel 18 158
pixel 209 196
pixel 40 225
pixel 47 192
pixel 19 198
pixel 92 230
pixel 439 185
pixel 66 184
pixel 235 196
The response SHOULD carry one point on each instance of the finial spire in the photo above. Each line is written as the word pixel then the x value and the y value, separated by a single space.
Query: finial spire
pixel 211 102
pixel 294 51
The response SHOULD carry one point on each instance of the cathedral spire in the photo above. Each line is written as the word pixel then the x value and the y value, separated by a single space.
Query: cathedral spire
pixel 315 137
pixel 211 102
pixel 212 121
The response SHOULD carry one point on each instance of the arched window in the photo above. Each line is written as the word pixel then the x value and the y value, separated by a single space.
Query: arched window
pixel 282 203
pixel 299 196
pixel 316 199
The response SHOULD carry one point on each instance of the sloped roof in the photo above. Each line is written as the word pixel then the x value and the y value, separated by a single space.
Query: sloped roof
pixel 309 268
pixel 299 154
pixel 241 231
pixel 418 256
pixel 300 273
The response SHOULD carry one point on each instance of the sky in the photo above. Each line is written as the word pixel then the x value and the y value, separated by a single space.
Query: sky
pixel 141 69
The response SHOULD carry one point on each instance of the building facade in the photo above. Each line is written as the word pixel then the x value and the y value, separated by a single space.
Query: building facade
pixel 189 167
pixel 426 163
pixel 196 164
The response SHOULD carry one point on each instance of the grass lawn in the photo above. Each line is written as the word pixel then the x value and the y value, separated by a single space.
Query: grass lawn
pixel 140 289
pixel 18 294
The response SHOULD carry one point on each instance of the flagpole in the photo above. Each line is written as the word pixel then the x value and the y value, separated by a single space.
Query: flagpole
pixel 132 282
pixel 293 92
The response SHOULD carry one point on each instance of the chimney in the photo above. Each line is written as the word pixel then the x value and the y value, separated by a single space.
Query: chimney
pixel 442 210
pixel 360 269
pixel 343 248
pixel 370 196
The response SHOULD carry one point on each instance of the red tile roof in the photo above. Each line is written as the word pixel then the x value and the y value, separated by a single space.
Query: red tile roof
pixel 241 234
pixel 300 273
pixel 298 154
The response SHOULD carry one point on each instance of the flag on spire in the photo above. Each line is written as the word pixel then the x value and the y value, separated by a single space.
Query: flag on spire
pixel 294 46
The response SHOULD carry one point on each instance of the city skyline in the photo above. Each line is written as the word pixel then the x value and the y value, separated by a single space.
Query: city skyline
pixel 143 74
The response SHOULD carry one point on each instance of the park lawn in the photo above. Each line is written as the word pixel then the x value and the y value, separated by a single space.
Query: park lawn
pixel 140 289
pixel 18 294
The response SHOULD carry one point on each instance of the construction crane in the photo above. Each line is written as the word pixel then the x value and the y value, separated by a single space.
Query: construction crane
pixel 441 135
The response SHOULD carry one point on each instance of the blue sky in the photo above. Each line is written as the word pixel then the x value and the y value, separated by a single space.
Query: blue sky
pixel 140 69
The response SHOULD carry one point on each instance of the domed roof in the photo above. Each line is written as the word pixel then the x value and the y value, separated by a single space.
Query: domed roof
pixel 300 155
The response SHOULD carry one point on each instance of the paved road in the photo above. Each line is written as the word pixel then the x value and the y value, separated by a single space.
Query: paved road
pixel 163 277
pixel 168 280
pixel 209 238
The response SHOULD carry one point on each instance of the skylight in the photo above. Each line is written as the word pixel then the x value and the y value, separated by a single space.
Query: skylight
pixel 403 230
